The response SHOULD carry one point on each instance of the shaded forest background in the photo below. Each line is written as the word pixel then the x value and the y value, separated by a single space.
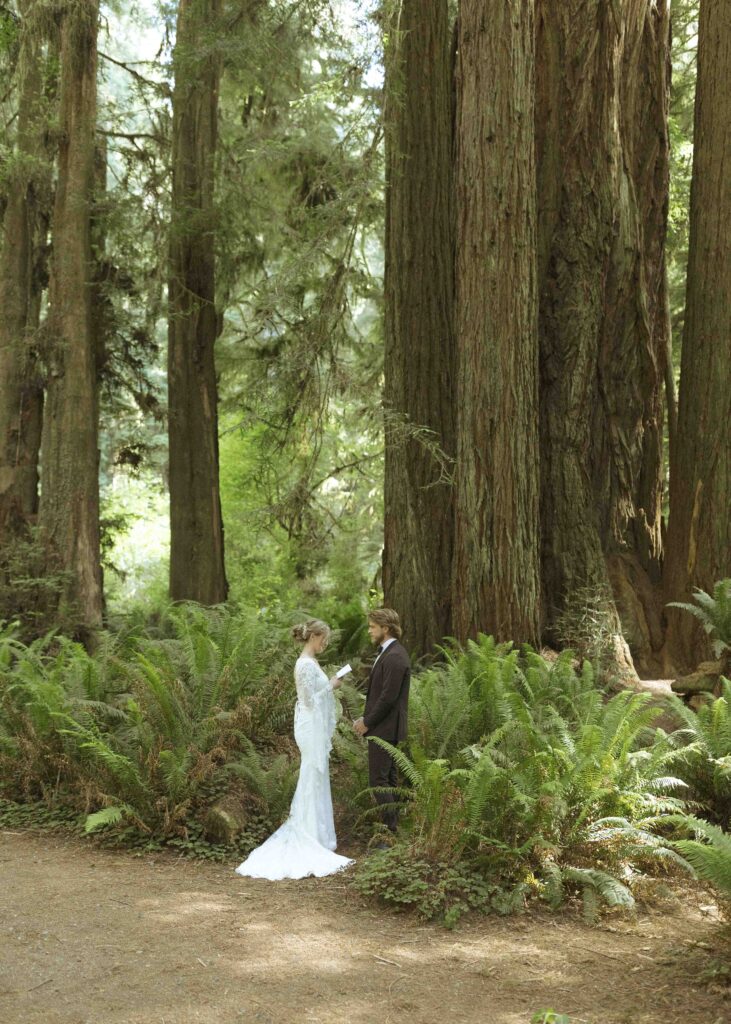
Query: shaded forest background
pixel 256 256
pixel 293 220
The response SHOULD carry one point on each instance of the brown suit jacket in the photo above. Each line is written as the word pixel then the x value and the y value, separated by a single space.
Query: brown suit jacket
pixel 387 700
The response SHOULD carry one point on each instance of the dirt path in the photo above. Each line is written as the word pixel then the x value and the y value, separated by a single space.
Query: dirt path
pixel 95 937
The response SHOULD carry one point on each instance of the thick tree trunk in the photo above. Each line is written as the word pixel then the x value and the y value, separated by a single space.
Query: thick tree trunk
pixel 419 351
pixel 196 528
pixel 699 529
pixel 69 506
pixel 21 391
pixel 636 341
pixel 601 126
pixel 496 563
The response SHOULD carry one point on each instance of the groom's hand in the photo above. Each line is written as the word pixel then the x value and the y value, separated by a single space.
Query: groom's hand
pixel 360 727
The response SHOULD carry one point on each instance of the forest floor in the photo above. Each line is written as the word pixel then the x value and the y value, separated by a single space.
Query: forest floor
pixel 93 936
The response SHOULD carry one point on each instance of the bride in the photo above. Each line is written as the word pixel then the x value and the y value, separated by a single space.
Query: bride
pixel 305 843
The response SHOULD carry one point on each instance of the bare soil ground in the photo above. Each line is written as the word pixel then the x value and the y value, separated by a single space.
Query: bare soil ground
pixel 90 936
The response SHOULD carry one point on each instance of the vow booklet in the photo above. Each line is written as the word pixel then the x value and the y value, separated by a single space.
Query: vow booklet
pixel 343 671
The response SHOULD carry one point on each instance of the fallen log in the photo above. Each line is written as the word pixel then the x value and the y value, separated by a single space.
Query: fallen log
pixel 706 679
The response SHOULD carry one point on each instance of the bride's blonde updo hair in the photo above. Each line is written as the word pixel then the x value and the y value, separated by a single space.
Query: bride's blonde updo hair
pixel 304 631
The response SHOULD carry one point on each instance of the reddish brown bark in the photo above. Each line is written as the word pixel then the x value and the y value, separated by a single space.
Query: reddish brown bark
pixel 496 565
pixel 69 506
pixel 21 390
pixel 196 527
pixel 419 350
pixel 601 127
pixel 699 528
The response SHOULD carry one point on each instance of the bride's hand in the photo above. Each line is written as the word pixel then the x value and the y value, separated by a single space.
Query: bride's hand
pixel 335 682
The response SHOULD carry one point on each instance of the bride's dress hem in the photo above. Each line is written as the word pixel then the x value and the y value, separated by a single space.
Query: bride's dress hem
pixel 314 873
pixel 292 853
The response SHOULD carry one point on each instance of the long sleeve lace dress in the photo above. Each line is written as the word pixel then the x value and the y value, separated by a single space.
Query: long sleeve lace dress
pixel 305 843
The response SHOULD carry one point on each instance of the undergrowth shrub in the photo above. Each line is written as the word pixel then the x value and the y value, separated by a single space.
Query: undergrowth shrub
pixel 31 586
pixel 528 773
pixel 713 611
pixel 404 879
pixel 521 777
pixel 586 625
pixel 709 853
pixel 349 770
pixel 704 758
pixel 149 730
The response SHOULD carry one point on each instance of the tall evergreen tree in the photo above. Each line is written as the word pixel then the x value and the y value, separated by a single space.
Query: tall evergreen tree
pixel 419 355
pixel 196 527
pixel 640 341
pixel 601 128
pixel 21 286
pixel 496 563
pixel 699 528
pixel 69 505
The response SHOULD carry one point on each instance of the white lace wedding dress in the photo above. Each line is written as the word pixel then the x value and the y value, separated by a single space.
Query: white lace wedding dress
pixel 305 843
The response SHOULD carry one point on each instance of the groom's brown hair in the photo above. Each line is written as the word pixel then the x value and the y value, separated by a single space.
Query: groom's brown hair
pixel 387 618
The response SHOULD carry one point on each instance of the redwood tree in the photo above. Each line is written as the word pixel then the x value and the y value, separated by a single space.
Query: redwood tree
pixel 21 391
pixel 69 505
pixel 699 529
pixel 496 562
pixel 601 129
pixel 419 349
pixel 196 527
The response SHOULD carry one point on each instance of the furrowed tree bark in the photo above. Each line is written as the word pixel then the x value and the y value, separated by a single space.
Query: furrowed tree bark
pixel 496 584
pixel 601 129
pixel 419 349
pixel 197 570
pixel 635 347
pixel 21 286
pixel 699 528
pixel 69 505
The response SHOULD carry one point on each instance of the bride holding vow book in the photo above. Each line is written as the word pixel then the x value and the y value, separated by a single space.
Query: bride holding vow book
pixel 305 843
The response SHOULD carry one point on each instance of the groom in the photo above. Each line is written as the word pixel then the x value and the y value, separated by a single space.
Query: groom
pixel 386 705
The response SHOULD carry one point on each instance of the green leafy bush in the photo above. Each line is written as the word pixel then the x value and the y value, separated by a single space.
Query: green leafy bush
pixel 521 777
pixel 526 772
pixel 148 730
pixel 709 852
pixel 31 584
pixel 402 878
pixel 269 782
pixel 704 759
pixel 349 769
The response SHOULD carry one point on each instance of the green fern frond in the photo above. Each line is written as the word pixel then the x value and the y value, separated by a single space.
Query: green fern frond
pixel 108 816
pixel 403 763
pixel 553 881
pixel 714 613
pixel 175 765
pixel 611 890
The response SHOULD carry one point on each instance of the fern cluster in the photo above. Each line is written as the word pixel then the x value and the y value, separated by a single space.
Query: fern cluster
pixel 704 754
pixel 151 727
pixel 521 776
pixel 709 852
pixel 526 771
